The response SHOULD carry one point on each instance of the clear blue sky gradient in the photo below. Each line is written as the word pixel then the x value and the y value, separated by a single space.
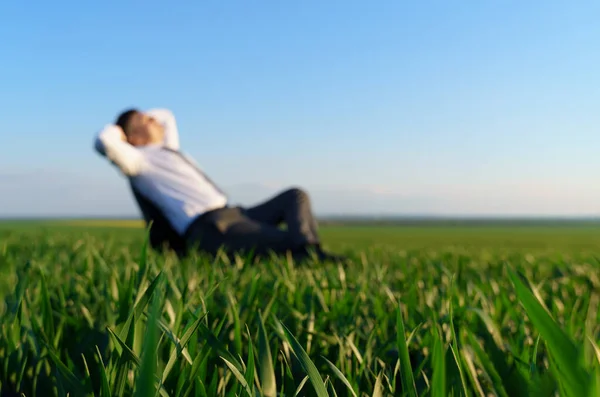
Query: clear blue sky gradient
pixel 437 107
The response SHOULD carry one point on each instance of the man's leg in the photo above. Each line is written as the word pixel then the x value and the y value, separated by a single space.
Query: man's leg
pixel 292 207
pixel 247 235
pixel 235 232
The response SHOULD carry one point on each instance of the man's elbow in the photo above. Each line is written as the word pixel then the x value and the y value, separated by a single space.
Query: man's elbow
pixel 129 172
pixel 131 169
pixel 99 147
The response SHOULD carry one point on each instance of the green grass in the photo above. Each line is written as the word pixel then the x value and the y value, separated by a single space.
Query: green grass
pixel 486 310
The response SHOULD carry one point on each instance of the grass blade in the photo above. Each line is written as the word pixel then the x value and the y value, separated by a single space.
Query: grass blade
pixel 265 361
pixel 181 346
pixel 250 364
pixel 438 383
pixel 47 314
pixel 141 304
pixel 301 386
pixel 128 354
pixel 572 376
pixel 104 387
pixel 123 364
pixel 596 349
pixel 406 372
pixel 144 386
pixel 513 380
pixel 70 378
pixel 488 366
pixel 239 376
pixel 340 376
pixel 306 363
pixel 378 388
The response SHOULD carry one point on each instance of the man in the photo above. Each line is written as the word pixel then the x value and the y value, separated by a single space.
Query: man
pixel 187 208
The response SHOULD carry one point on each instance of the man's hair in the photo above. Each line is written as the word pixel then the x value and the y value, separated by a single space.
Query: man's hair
pixel 123 119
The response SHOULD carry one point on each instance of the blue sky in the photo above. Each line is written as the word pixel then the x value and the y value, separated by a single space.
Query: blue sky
pixel 437 107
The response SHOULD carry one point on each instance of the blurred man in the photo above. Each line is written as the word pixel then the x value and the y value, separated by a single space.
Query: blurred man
pixel 187 209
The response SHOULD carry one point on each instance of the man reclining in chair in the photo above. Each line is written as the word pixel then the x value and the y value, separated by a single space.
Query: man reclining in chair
pixel 187 209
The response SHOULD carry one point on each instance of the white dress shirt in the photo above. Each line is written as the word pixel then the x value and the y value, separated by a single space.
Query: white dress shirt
pixel 171 180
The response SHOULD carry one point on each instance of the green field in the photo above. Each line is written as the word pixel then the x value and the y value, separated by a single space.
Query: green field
pixel 482 310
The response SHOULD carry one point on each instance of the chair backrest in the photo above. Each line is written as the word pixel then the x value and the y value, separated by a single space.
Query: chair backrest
pixel 162 233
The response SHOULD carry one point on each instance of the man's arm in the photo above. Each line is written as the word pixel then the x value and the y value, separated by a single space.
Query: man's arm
pixel 111 143
pixel 167 119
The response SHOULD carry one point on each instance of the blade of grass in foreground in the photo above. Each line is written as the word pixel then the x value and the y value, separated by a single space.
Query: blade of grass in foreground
pixel 250 364
pixel 105 388
pixel 406 374
pixel 572 376
pixel 122 367
pixel 219 347
pixel 237 324
pixel 68 376
pixel 144 385
pixel 331 387
pixel 457 353
pixel 513 381
pixel 180 347
pixel 128 354
pixel 143 265
pixel 488 366
pixel 596 349
pixel 438 383
pixel 300 386
pixel 378 389
pixel 595 383
pixel 265 361
pixel 239 376
pixel 306 363
pixel 140 305
pixel 47 314
pixel 340 376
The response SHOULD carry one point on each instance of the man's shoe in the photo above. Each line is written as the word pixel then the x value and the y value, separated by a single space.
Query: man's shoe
pixel 316 253
pixel 328 257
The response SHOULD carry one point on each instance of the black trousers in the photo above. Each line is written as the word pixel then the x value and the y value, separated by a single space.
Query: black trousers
pixel 256 229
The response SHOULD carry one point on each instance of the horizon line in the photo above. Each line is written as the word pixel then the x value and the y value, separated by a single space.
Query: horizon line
pixel 333 216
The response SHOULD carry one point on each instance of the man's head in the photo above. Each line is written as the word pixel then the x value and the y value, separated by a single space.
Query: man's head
pixel 139 128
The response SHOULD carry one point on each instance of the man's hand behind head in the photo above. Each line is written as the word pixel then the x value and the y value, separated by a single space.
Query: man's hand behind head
pixel 123 136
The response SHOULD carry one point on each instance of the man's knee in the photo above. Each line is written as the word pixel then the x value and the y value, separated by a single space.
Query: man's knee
pixel 297 194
